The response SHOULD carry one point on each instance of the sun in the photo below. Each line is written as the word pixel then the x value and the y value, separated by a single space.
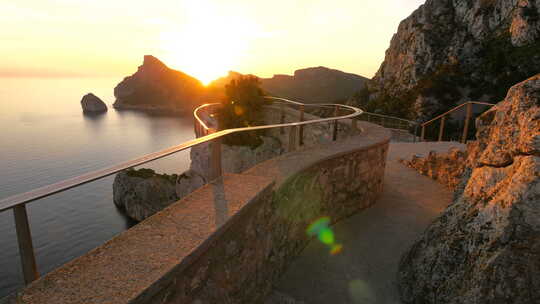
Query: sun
pixel 209 44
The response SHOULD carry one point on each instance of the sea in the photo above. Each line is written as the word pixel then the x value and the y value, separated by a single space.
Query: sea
pixel 46 138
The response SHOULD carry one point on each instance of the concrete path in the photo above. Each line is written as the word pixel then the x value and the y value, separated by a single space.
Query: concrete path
pixel 373 240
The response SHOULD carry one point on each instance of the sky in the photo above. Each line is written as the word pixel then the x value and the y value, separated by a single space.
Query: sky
pixel 203 38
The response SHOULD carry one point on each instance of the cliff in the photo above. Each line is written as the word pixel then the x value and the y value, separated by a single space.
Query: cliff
pixel 484 248
pixel 450 51
pixel 157 87
pixel 315 85
pixel 310 85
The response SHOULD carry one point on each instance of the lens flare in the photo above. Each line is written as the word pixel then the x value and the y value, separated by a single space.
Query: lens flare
pixel 321 229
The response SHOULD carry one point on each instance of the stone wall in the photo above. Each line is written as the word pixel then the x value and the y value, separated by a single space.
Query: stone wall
pixel 228 241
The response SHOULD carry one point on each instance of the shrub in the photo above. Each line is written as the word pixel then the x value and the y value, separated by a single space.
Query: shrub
pixel 242 107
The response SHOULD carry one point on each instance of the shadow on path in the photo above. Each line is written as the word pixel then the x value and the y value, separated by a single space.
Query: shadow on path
pixel 373 240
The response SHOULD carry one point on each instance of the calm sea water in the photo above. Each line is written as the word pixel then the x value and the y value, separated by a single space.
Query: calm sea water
pixel 46 138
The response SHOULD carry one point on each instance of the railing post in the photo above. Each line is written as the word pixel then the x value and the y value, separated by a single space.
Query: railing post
pixel 292 139
pixel 26 249
pixel 215 158
pixel 334 133
pixel 467 121
pixel 282 118
pixel 423 133
pixel 354 124
pixel 441 128
pixel 301 127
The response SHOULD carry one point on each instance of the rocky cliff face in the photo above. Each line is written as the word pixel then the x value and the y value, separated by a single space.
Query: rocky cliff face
pixel 156 87
pixel 315 85
pixel 449 51
pixel 485 248
pixel 311 85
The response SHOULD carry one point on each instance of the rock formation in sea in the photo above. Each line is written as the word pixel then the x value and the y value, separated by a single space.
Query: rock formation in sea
pixel 310 85
pixel 90 103
pixel 141 193
pixel 450 51
pixel 156 87
pixel 485 247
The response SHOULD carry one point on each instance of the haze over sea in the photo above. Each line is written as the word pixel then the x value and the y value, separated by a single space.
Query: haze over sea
pixel 46 138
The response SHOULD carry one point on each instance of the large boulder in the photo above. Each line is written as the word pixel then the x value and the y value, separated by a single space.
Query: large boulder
pixel 156 87
pixel 485 247
pixel 142 193
pixel 92 104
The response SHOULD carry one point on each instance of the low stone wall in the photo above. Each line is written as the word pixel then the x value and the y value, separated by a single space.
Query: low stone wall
pixel 228 241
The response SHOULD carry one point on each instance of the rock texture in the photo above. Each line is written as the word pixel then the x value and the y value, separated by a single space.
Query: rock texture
pixel 485 248
pixel 234 159
pixel 157 87
pixel 446 168
pixel 310 85
pixel 142 193
pixel 92 104
pixel 450 51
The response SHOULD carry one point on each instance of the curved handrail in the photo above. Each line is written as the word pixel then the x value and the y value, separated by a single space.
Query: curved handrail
pixel 356 112
pixel 48 190
pixel 442 117
pixel 455 109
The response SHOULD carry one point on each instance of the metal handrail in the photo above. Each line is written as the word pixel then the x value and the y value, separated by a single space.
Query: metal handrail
pixel 18 202
pixel 443 119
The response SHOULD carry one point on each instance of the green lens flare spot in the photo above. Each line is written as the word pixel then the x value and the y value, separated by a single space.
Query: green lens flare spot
pixel 318 225
pixel 326 236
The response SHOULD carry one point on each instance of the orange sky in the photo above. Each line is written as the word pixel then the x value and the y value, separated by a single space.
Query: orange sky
pixel 204 38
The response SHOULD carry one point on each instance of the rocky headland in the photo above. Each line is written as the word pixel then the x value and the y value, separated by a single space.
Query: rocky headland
pixel 90 103
pixel 156 87
pixel 310 85
pixel 450 51
pixel 485 247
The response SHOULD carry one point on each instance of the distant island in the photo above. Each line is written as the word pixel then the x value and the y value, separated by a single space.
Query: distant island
pixel 156 87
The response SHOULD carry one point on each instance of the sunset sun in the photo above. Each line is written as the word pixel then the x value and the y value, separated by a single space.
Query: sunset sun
pixel 209 44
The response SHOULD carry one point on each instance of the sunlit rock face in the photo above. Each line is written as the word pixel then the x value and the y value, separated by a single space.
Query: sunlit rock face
pixel 446 168
pixel 450 51
pixel 156 87
pixel 485 248
pixel 90 103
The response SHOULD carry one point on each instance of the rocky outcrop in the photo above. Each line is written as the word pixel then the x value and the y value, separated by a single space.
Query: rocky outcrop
pixel 142 193
pixel 485 247
pixel 310 85
pixel 450 51
pixel 156 87
pixel 445 168
pixel 92 104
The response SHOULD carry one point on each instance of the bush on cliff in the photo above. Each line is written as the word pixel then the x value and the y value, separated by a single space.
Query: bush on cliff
pixel 242 107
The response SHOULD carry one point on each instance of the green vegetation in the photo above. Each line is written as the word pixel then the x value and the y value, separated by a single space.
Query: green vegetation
pixel 148 173
pixel 242 107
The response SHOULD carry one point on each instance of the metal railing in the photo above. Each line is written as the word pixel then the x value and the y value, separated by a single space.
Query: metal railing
pixel 443 116
pixel 204 134
pixel 392 122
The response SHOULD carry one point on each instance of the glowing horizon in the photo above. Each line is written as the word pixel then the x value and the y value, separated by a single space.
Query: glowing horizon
pixel 203 38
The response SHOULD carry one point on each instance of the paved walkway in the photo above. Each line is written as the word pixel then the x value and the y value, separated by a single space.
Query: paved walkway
pixel 373 240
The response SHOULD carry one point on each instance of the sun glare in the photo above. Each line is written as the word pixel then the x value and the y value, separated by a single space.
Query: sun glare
pixel 211 42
